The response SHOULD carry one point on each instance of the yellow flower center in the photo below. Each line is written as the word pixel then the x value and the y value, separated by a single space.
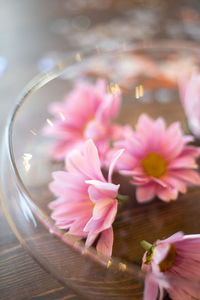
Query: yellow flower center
pixel 169 260
pixel 154 165
pixel 149 255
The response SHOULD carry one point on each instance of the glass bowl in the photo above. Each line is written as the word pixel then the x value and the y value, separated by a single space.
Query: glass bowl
pixel 147 74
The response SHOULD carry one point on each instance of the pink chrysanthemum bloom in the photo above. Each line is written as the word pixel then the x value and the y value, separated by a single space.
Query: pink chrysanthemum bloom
pixel 178 256
pixel 86 203
pixel 189 89
pixel 158 159
pixel 85 113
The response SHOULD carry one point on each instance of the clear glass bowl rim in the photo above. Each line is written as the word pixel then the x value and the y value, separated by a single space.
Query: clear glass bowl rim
pixel 39 81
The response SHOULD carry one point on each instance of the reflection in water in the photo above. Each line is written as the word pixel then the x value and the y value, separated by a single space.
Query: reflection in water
pixel 122 267
pixel 62 116
pixel 33 132
pixel 139 91
pixel 109 263
pixel 113 88
pixel 26 161
pixel 78 57
pixel 49 122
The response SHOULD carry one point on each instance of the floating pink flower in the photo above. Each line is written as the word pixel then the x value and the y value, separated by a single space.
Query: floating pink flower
pixel 189 89
pixel 85 113
pixel 86 203
pixel 158 159
pixel 177 256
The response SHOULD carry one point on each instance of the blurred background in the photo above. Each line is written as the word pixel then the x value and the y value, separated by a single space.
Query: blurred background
pixel 34 37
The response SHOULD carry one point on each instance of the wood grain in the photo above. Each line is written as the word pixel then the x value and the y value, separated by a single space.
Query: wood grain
pixel 25 36
pixel 20 276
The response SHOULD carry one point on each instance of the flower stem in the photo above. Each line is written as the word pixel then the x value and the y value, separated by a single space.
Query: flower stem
pixel 122 198
pixel 145 245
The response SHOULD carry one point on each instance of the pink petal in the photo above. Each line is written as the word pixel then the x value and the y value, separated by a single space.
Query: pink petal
pixel 161 290
pixel 137 172
pixel 55 108
pixel 188 176
pixel 194 255
pixel 125 162
pixel 173 143
pixel 191 98
pixel 140 181
pixel 191 151
pixel 186 268
pixel 127 172
pixel 134 145
pixel 101 86
pixel 182 83
pixel 188 139
pixel 105 242
pixel 186 162
pixel 151 289
pixel 160 125
pixel 101 208
pixel 78 226
pixel 157 134
pixel 95 130
pixel 178 236
pixel 110 216
pixel 92 159
pixel 82 100
pixel 72 117
pixel 145 193
pixel 190 238
pixel 69 179
pixel 144 124
pixel 178 294
pixel 116 131
pixel 69 186
pixel 173 182
pixel 96 226
pixel 72 210
pixel 64 130
pixel 56 203
pixel 167 194
pixel 87 163
pixel 66 224
pixel 91 238
pixel 60 149
pixel 103 148
pixel 160 253
pixel 99 190
pixel 76 102
pixel 109 108
pixel 113 162
pixel 159 181
pixel 96 194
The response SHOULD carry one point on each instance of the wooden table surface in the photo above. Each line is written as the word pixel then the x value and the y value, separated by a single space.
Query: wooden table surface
pixel 30 32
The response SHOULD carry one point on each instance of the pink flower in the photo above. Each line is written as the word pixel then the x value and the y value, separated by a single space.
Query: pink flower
pixel 178 257
pixel 158 159
pixel 189 89
pixel 86 203
pixel 85 113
